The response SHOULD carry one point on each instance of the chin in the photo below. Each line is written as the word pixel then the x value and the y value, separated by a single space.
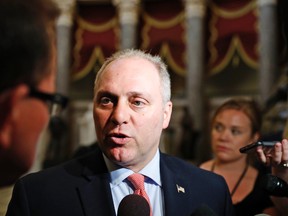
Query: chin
pixel 120 156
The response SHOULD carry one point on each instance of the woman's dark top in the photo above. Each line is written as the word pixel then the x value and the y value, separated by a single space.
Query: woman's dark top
pixel 255 202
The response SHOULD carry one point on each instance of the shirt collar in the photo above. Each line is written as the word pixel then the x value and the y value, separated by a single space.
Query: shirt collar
pixel 119 174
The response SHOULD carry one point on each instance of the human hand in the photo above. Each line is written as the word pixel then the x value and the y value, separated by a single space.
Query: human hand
pixel 277 157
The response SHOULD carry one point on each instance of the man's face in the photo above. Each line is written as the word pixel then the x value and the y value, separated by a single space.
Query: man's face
pixel 129 113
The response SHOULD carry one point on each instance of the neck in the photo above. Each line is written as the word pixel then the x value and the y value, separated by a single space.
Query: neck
pixel 230 165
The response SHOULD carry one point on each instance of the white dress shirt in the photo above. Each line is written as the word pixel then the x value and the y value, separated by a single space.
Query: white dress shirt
pixel 120 188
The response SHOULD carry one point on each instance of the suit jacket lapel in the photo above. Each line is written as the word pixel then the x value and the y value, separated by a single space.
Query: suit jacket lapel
pixel 96 193
pixel 174 188
pixel 96 198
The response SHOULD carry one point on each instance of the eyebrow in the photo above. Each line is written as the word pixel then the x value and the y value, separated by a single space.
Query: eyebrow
pixel 102 93
pixel 131 93
pixel 231 126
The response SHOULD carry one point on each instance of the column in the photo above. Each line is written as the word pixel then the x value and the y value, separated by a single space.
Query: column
pixel 63 79
pixel 195 12
pixel 128 17
pixel 64 25
pixel 268 47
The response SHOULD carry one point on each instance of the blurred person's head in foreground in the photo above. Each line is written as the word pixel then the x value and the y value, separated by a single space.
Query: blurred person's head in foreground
pixel 27 83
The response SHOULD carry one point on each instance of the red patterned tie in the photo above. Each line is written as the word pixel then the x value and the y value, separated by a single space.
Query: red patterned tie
pixel 138 182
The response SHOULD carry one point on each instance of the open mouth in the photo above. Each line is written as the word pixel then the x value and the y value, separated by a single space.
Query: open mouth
pixel 119 139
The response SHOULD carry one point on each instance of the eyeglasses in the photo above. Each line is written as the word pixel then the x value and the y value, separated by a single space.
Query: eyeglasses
pixel 55 102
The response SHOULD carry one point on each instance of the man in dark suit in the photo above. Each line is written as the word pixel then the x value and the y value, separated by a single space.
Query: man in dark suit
pixel 131 108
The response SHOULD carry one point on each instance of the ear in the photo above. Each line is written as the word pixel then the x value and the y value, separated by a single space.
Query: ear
pixel 167 114
pixel 9 110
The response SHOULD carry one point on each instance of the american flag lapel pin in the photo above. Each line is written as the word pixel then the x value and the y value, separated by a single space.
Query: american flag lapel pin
pixel 180 189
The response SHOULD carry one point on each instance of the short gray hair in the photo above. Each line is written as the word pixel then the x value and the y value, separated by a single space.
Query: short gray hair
pixel 156 60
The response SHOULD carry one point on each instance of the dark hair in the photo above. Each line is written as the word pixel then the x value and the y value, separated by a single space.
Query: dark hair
pixel 25 41
pixel 248 106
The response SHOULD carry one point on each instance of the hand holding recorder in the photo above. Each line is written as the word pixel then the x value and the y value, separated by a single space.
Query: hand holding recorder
pixel 271 153
pixel 251 147
pixel 274 154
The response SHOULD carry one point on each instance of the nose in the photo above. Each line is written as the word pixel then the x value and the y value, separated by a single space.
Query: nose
pixel 120 114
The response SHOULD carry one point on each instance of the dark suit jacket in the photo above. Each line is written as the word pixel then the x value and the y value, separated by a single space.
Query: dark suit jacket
pixel 81 187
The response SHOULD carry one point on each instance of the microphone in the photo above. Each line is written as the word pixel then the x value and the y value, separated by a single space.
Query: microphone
pixel 204 210
pixel 275 186
pixel 133 205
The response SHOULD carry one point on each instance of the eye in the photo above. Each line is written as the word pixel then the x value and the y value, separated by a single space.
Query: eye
pixel 235 131
pixel 218 127
pixel 105 100
pixel 138 103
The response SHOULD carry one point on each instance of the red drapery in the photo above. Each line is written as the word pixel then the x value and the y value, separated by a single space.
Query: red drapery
pixel 163 32
pixel 232 28
pixel 96 37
